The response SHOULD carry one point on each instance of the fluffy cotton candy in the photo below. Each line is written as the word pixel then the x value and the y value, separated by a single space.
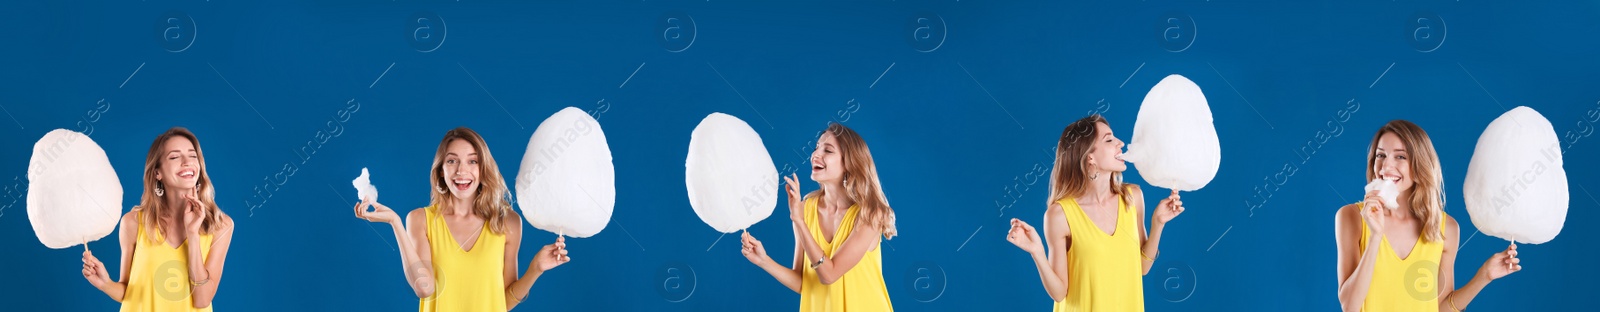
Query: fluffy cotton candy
pixel 364 189
pixel 1174 143
pixel 1386 190
pixel 73 193
pixel 1516 188
pixel 731 179
pixel 566 184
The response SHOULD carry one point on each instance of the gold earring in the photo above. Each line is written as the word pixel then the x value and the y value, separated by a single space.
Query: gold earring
pixel 160 192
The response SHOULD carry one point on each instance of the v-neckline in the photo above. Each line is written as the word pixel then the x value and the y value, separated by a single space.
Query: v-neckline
pixel 1396 253
pixel 168 243
pixel 1115 224
pixel 165 242
pixel 836 227
pixel 457 243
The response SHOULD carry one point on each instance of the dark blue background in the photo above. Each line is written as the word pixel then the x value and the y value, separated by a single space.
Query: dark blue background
pixel 959 133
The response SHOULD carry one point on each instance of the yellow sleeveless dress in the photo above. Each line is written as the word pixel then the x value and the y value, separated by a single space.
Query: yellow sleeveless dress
pixel 1408 284
pixel 158 278
pixel 860 289
pixel 465 280
pixel 1104 272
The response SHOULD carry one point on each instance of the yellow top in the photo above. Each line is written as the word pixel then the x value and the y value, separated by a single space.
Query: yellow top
pixel 860 289
pixel 1407 284
pixel 158 278
pixel 465 280
pixel 1104 272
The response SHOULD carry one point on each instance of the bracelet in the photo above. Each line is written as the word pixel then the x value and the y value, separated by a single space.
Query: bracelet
pixel 814 265
pixel 193 284
pixel 1152 259
pixel 1452 304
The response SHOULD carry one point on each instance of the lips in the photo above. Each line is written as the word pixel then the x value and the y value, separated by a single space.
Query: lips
pixel 186 173
pixel 462 184
pixel 1389 175
pixel 816 167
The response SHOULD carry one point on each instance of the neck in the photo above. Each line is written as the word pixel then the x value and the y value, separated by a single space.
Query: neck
pixel 1098 189
pixel 459 206
pixel 175 201
pixel 1404 201
pixel 834 196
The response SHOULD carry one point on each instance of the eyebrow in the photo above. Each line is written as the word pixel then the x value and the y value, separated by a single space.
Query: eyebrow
pixel 454 154
pixel 1395 150
pixel 178 151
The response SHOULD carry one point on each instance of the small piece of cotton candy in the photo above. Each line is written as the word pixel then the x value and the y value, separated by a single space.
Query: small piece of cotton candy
pixel 364 189
pixel 1516 188
pixel 567 184
pixel 1174 143
pixel 1386 190
pixel 73 193
pixel 731 179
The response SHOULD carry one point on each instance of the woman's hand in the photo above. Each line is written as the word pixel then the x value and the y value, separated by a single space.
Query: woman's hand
pixel 195 213
pixel 1374 213
pixel 797 209
pixel 94 271
pixel 1169 208
pixel 1501 263
pixel 753 250
pixel 379 213
pixel 1025 237
pixel 551 256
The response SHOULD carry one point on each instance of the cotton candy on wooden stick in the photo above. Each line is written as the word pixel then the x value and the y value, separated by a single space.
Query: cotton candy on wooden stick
pixel 1174 142
pixel 567 184
pixel 1516 188
pixel 731 179
pixel 364 189
pixel 73 193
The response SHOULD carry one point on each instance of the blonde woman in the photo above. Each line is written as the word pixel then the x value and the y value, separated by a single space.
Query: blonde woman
pixel 1403 258
pixel 1094 225
pixel 460 252
pixel 175 241
pixel 837 229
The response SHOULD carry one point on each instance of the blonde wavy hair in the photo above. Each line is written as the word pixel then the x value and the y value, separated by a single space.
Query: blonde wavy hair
pixel 861 180
pixel 1427 189
pixel 492 201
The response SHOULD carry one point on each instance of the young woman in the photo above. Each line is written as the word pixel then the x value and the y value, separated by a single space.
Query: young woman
pixel 837 264
pixel 175 241
pixel 460 252
pixel 1094 263
pixel 1403 258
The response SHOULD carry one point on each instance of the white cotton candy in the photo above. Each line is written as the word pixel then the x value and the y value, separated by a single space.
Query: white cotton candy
pixel 567 184
pixel 1386 190
pixel 364 189
pixel 1174 142
pixel 731 179
pixel 1516 188
pixel 73 193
